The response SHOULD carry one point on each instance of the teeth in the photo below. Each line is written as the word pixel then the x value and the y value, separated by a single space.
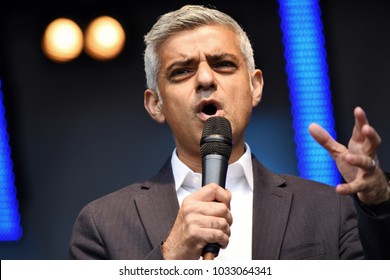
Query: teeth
pixel 209 109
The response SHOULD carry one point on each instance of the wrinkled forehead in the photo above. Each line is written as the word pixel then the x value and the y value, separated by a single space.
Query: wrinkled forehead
pixel 209 40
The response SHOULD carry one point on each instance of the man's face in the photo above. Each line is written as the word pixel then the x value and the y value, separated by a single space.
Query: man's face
pixel 202 74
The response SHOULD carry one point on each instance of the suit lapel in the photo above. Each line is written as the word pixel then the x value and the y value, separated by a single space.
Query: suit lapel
pixel 158 205
pixel 271 208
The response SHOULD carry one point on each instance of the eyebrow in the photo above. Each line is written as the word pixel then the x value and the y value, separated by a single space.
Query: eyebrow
pixel 181 63
pixel 209 58
pixel 222 56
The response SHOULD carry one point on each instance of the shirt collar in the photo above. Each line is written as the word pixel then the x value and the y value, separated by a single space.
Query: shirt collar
pixel 242 167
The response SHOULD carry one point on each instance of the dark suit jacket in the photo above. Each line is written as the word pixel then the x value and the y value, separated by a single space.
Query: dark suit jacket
pixel 293 218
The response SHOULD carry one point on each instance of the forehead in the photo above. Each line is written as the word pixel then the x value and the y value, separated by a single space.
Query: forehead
pixel 207 40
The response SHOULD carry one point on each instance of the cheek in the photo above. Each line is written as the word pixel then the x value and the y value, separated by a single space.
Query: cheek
pixel 176 108
pixel 241 103
pixel 240 110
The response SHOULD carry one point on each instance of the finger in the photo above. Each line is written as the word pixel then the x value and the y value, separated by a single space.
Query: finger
pixel 216 224
pixel 196 223
pixel 373 139
pixel 363 130
pixel 374 192
pixel 216 209
pixel 194 211
pixel 326 140
pixel 221 224
pixel 204 233
pixel 360 117
pixel 351 188
pixel 215 236
pixel 210 222
pixel 371 134
pixel 213 192
pixel 364 162
pixel 360 121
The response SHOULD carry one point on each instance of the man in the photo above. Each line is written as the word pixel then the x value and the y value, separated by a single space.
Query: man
pixel 199 63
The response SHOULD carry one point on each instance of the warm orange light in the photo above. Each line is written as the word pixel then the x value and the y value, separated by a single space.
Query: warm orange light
pixel 62 40
pixel 104 38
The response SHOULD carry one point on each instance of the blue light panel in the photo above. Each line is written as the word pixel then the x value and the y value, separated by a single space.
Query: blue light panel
pixel 10 229
pixel 309 85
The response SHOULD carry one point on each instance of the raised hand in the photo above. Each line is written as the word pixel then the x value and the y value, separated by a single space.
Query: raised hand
pixel 358 164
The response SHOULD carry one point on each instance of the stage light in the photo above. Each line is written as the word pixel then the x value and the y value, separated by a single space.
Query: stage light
pixel 62 40
pixel 104 38
pixel 308 80
pixel 10 229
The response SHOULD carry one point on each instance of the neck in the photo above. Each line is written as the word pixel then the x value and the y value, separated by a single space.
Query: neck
pixel 194 161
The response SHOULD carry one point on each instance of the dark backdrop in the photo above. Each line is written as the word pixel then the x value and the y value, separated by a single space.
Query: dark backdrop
pixel 79 130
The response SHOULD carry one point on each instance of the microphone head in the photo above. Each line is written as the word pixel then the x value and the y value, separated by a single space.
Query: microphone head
pixel 216 137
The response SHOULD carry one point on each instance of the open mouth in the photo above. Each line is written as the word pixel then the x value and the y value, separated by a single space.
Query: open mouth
pixel 209 109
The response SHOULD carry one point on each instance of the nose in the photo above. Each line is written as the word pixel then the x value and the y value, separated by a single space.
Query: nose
pixel 205 77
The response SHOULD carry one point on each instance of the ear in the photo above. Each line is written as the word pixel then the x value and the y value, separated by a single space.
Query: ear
pixel 257 86
pixel 153 105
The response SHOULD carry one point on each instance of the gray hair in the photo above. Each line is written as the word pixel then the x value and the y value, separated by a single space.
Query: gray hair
pixel 188 17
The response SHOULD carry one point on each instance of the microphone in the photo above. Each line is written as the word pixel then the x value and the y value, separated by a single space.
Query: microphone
pixel 215 149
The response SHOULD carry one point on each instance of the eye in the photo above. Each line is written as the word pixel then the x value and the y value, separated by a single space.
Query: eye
pixel 225 65
pixel 180 71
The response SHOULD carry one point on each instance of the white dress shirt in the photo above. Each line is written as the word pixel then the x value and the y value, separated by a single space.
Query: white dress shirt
pixel 239 181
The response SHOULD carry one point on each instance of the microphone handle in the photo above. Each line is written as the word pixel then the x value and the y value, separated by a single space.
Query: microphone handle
pixel 214 170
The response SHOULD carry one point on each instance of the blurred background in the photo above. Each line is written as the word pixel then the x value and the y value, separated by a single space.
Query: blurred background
pixel 78 129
